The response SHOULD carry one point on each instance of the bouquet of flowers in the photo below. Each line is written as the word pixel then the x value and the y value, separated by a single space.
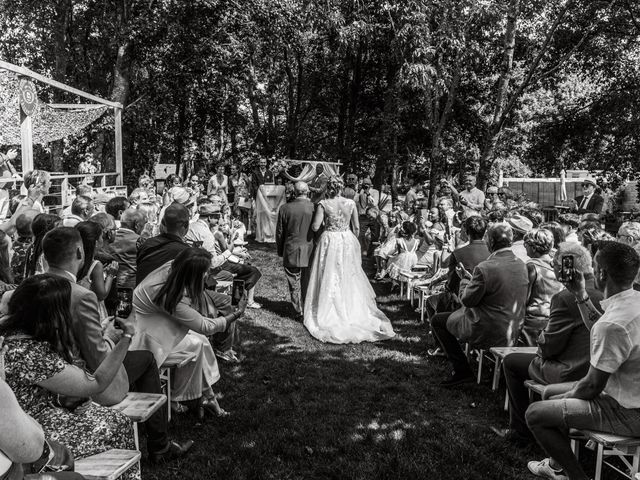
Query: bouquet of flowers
pixel 278 166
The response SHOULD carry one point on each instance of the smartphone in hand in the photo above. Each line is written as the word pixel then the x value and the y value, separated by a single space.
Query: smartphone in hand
pixel 237 291
pixel 566 269
pixel 125 302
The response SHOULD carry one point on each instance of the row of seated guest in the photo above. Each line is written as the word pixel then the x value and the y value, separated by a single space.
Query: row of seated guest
pixel 60 252
pixel 592 372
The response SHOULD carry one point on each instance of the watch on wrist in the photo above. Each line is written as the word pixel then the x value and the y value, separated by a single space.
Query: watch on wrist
pixel 581 301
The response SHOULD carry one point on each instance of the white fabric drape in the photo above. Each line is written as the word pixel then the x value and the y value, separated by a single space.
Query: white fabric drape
pixel 309 172
pixel 269 199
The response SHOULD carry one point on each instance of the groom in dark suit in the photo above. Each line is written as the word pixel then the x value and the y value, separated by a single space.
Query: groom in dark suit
pixel 294 239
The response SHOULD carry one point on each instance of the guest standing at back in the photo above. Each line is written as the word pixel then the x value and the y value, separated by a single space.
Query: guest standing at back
pixel 294 239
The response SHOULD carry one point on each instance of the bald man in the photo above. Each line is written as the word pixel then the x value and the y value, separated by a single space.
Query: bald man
pixel 294 239
pixel 124 247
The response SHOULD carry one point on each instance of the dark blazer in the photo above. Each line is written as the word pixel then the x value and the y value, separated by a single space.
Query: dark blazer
pixel 257 179
pixel 563 346
pixel 155 252
pixel 470 256
pixel 493 302
pixel 594 206
pixel 294 236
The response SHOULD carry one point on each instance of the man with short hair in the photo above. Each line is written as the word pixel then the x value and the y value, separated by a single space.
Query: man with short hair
pixel 367 198
pixel 470 255
pixel 563 346
pixel 200 233
pixel 294 239
pixel 318 186
pixel 260 176
pixel 629 233
pixel 158 250
pixel 138 196
pixel 411 197
pixel 471 198
pixel 116 207
pixel 124 249
pixel 81 209
pixel 493 302
pixel 351 183
pixel 63 251
pixel 607 399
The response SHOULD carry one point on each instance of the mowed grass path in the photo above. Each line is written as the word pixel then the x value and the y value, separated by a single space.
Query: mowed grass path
pixel 303 409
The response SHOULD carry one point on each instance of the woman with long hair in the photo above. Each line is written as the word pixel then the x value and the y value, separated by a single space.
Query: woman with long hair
pixel 340 305
pixel 92 275
pixel 42 223
pixel 49 379
pixel 175 314
pixel 219 184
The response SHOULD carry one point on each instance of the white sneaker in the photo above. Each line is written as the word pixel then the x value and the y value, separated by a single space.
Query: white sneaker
pixel 254 305
pixel 543 469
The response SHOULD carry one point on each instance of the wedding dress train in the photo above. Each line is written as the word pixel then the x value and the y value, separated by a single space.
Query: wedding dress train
pixel 340 304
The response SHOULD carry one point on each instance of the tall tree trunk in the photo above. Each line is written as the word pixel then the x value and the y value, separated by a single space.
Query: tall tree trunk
pixel 354 96
pixel 506 72
pixel 62 22
pixel 182 130
pixel 343 104
pixel 120 93
pixel 504 105
pixel 388 159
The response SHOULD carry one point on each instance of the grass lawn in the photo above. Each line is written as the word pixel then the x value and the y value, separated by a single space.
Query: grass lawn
pixel 303 409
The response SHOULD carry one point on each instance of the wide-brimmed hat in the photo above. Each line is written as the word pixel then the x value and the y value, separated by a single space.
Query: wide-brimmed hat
pixel 520 223
pixel 181 195
pixel 208 209
pixel 590 180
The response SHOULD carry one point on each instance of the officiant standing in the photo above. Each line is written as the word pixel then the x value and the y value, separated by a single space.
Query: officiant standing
pixel 294 239
pixel 318 185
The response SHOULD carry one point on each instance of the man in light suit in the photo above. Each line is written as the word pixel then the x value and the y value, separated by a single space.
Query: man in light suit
pixel 294 239
pixel 63 251
pixel 493 302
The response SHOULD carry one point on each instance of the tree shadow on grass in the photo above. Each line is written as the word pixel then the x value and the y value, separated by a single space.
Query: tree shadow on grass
pixel 347 412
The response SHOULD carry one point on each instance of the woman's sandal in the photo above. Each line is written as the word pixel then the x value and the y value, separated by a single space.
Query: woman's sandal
pixel 177 407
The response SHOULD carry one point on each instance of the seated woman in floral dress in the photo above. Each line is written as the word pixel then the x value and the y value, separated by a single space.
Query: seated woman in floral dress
pixel 47 377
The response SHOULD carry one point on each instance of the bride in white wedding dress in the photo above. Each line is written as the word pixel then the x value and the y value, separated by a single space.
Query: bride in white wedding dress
pixel 340 305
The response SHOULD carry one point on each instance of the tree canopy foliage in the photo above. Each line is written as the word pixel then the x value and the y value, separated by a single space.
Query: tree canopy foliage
pixel 423 87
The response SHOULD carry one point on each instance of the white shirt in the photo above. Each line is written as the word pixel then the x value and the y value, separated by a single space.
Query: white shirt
pixel 615 347
pixel 200 232
pixel 520 251
pixel 475 201
pixel 585 202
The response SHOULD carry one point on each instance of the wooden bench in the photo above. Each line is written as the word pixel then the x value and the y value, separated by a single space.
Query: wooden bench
pixel 107 465
pixel 611 445
pixel 174 360
pixel 606 444
pixel 499 353
pixel 139 407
